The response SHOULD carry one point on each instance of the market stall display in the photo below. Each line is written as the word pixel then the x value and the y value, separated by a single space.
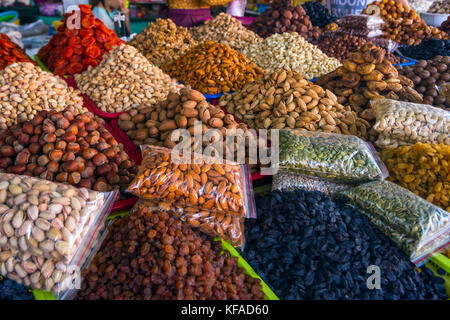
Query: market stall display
pixel 445 26
pixel 403 123
pixel 68 148
pixel 367 75
pixel 291 51
pixel 213 68
pixel 284 99
pixel 124 80
pixel 418 227
pixel 11 52
pixel 162 41
pixel 187 264
pixel 318 14
pixel 282 16
pixel 423 169
pixel 442 6
pixel 27 90
pixel 305 246
pixel 73 50
pixel 428 77
pixel 227 30
pixel 362 25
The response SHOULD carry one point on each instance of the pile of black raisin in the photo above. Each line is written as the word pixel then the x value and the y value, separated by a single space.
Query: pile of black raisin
pixel 305 246
pixel 318 14
pixel 11 290
pixel 427 50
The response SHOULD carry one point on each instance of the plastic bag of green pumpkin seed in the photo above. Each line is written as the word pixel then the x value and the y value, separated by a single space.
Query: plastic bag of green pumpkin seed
pixel 417 226
pixel 290 181
pixel 335 157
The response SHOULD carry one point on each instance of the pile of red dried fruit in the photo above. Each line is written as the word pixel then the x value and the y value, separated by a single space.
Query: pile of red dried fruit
pixel 67 148
pixel 151 255
pixel 10 52
pixel 73 50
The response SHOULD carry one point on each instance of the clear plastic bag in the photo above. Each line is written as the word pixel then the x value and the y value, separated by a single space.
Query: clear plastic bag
pixel 42 273
pixel 335 157
pixel 207 194
pixel 361 24
pixel 418 227
pixel 52 220
pixel 386 44
pixel 225 226
pixel 290 181
pixel 405 123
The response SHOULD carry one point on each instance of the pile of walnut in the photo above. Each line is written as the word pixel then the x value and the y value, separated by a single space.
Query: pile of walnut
pixel 284 99
pixel 367 75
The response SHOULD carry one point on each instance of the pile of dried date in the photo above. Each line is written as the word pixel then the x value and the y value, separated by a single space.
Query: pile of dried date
pixel 151 255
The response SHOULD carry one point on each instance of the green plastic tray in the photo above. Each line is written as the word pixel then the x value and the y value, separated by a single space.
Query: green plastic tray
pixel 270 295
pixel 440 261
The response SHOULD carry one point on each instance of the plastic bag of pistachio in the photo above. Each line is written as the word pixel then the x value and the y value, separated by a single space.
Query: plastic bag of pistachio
pixel 290 181
pixel 335 157
pixel 417 226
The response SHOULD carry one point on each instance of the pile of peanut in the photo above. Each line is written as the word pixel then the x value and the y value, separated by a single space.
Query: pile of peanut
pixel 154 124
pixel 423 169
pixel 213 68
pixel 227 30
pixel 162 41
pixel 366 75
pixel 26 89
pixel 291 51
pixel 284 99
pixel 124 80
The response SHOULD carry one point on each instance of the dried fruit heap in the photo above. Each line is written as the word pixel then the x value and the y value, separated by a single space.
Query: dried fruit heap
pixel 367 75
pixel 151 255
pixel 213 68
pixel 11 52
pixel 162 41
pixel 72 50
pixel 281 17
pixel 423 169
pixel 67 148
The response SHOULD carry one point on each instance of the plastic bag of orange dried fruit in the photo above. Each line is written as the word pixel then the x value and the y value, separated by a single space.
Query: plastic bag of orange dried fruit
pixel 209 194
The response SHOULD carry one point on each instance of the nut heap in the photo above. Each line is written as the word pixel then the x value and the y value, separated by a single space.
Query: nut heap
pixel 154 124
pixel 162 258
pixel 11 52
pixel 442 6
pixel 207 195
pixel 213 68
pixel 162 41
pixel 74 48
pixel 423 169
pixel 291 51
pixel 45 230
pixel 68 148
pixel 428 76
pixel 26 89
pixel 124 80
pixel 367 75
pixel 340 44
pixel 284 99
pixel 282 17
pixel 227 30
